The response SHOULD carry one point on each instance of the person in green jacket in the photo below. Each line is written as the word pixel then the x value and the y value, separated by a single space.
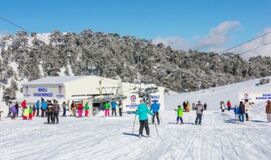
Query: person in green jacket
pixel 86 108
pixel 106 108
pixel 179 114
pixel 143 111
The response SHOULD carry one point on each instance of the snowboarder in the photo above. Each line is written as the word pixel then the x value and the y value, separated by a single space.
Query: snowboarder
pixel 229 105
pixel 155 109
pixel 80 109
pixel 50 112
pixel 114 107
pixel 179 114
pixel 120 108
pixel 268 111
pixel 199 111
pixel 205 106
pixel 236 111
pixel 142 112
pixel 64 107
pixel 37 106
pixel 44 107
pixel 222 106
pixel 106 108
pixel 56 109
pixel 247 108
pixel 86 108
pixel 241 112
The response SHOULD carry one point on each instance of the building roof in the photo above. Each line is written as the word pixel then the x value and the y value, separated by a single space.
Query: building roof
pixel 54 80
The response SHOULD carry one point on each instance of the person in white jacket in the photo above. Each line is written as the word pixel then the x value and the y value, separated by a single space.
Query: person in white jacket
pixel 247 109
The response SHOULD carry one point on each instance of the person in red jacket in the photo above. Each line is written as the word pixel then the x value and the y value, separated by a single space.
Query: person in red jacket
pixel 23 104
pixel 80 109
pixel 229 105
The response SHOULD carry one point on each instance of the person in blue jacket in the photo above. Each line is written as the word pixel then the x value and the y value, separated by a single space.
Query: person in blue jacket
pixel 114 107
pixel 155 109
pixel 236 112
pixel 37 107
pixel 143 111
pixel 43 108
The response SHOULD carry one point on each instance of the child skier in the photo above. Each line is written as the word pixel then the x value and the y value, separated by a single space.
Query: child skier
pixel 106 108
pixel 86 108
pixel 179 114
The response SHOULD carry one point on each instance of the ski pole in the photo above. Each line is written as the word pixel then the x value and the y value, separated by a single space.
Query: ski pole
pixel 156 129
pixel 134 124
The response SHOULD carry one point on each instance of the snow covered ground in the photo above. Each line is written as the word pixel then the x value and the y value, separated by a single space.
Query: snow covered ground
pixel 213 96
pixel 99 137
pixel 219 137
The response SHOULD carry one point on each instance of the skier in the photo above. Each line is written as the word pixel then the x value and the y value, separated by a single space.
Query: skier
pixel 106 108
pixel 80 109
pixel 199 111
pixel 155 109
pixel 142 111
pixel 222 106
pixel 120 108
pixel 205 106
pixel 13 111
pixel 33 110
pixel 247 108
pixel 56 109
pixel 50 112
pixel 229 105
pixel 241 112
pixel 268 111
pixel 86 108
pixel 73 108
pixel 179 114
pixel 44 107
pixel 236 111
pixel 114 107
pixel 64 107
pixel 37 106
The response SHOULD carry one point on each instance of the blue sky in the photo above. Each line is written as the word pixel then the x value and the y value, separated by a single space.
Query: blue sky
pixel 191 23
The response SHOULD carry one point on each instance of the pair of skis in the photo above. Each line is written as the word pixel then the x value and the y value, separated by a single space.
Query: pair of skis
pixel 154 125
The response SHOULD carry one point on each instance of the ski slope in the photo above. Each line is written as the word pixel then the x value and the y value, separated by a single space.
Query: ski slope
pixel 99 138
pixel 213 96
pixel 111 138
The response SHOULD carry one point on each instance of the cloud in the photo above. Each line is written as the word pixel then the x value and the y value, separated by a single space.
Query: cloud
pixel 177 43
pixel 218 36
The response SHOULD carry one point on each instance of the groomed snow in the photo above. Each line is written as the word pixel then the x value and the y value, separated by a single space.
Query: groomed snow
pixel 111 138
pixel 219 137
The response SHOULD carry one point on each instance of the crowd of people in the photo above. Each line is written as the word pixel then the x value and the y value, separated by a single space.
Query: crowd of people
pixel 51 110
